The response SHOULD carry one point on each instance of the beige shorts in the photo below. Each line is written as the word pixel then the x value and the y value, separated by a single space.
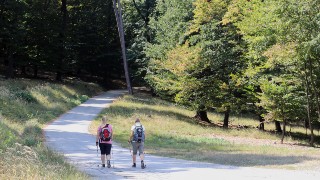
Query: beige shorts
pixel 137 146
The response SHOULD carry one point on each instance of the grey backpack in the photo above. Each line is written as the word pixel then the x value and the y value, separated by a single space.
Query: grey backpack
pixel 138 134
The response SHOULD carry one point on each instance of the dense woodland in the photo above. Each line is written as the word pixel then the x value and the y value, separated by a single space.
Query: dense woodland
pixel 231 56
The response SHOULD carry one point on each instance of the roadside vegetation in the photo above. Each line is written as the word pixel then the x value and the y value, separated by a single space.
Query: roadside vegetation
pixel 25 107
pixel 173 131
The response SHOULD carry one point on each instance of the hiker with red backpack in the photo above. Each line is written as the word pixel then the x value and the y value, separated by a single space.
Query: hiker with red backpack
pixel 137 138
pixel 104 140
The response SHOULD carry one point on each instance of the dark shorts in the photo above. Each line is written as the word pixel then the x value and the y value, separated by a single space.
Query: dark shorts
pixel 105 148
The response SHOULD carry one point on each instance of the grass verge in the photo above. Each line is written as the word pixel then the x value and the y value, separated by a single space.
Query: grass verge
pixel 25 107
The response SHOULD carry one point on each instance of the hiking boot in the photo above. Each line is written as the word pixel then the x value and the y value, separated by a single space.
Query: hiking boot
pixel 109 165
pixel 143 165
pixel 103 165
pixel 134 165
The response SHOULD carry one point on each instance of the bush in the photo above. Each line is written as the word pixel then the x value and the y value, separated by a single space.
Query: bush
pixel 32 135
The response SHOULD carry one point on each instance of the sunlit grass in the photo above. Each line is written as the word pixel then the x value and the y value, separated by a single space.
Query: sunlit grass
pixel 24 162
pixel 25 107
pixel 171 131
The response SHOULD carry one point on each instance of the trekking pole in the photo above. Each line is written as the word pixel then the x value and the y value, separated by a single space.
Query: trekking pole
pixel 97 152
pixel 112 158
pixel 130 148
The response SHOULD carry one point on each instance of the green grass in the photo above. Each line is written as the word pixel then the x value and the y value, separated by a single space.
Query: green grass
pixel 171 131
pixel 25 107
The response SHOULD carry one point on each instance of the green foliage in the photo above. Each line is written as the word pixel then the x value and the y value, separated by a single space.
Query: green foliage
pixel 282 100
pixel 169 23
pixel 205 70
pixel 136 17
pixel 281 38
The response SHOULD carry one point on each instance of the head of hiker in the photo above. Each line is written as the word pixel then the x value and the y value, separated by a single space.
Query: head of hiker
pixel 137 122
pixel 103 120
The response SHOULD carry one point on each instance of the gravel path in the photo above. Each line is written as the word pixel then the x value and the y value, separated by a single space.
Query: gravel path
pixel 69 135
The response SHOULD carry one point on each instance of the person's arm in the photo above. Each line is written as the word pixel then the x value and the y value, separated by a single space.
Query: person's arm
pixel 112 132
pixel 131 136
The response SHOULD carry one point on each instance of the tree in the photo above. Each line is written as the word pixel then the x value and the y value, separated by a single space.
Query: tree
pixel 118 15
pixel 220 67
pixel 281 37
pixel 137 14
pixel 168 24
pixel 11 32
pixel 302 21
pixel 209 56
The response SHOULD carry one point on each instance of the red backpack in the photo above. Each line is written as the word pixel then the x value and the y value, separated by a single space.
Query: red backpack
pixel 105 133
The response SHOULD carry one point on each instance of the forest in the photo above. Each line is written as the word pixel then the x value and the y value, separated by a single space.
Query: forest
pixel 260 57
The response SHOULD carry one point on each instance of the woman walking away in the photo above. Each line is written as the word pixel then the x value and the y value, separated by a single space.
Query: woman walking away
pixel 137 138
pixel 104 140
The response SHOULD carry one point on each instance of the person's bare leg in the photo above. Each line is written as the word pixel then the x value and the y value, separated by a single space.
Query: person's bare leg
pixel 134 158
pixel 103 159
pixel 142 162
pixel 108 157
pixel 108 161
pixel 142 157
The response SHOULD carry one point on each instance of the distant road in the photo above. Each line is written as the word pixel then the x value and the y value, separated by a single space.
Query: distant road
pixel 69 135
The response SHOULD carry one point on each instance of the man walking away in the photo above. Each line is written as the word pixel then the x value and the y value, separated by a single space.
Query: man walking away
pixel 104 140
pixel 137 138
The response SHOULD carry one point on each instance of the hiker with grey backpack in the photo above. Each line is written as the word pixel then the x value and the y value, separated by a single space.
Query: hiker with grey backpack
pixel 137 139
pixel 104 140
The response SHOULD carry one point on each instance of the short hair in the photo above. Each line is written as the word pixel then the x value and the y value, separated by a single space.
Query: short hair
pixel 137 120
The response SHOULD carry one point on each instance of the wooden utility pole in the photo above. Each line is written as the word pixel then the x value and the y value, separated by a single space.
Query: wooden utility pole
pixel 118 14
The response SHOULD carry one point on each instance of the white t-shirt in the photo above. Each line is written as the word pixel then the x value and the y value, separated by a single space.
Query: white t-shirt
pixel 138 124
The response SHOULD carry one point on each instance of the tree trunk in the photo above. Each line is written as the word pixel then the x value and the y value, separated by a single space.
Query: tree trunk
pixel 202 116
pixel 278 126
pixel 283 131
pixel 226 118
pixel 261 125
pixel 118 15
pixel 309 105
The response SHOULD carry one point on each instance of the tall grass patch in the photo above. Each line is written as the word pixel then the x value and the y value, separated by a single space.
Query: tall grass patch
pixel 172 131
pixel 25 107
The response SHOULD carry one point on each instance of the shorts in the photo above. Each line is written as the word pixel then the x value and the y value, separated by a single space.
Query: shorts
pixel 105 148
pixel 137 146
